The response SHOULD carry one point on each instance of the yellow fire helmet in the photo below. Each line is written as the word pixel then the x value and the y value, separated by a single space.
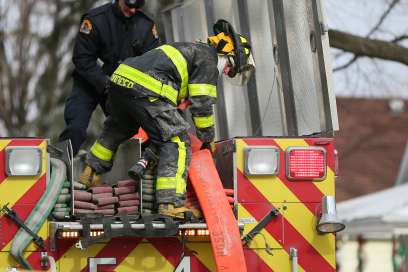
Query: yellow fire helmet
pixel 235 46
pixel 223 43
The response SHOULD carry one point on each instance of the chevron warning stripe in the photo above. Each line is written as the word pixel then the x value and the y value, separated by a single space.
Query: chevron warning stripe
pixel 172 249
pixel 131 254
pixel 22 192
pixel 278 260
pixel 120 248
pixel 254 261
pixel 300 201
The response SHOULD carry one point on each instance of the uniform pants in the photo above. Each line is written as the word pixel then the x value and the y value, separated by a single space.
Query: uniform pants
pixel 79 107
pixel 128 112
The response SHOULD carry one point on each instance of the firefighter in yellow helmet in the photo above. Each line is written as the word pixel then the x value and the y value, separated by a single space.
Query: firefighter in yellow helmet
pixel 146 90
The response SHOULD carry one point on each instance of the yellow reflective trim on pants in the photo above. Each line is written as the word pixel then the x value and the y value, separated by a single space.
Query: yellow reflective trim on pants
pixel 101 152
pixel 166 183
pixel 146 81
pixel 181 165
pixel 204 122
pixel 202 89
pixel 177 182
pixel 181 65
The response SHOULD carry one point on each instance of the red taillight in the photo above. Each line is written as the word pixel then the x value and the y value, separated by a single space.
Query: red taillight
pixel 306 163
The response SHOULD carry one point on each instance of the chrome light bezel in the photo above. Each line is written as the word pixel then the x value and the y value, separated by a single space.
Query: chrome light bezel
pixel 247 154
pixel 8 167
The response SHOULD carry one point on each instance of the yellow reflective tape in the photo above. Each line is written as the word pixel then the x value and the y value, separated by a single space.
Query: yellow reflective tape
pixel 204 254
pixel 77 260
pixel 152 99
pixel 279 261
pixel 43 233
pixel 4 143
pixel 145 257
pixel 166 183
pixel 326 186
pixel 147 81
pixel 15 193
pixel 6 261
pixel 181 65
pixel 177 182
pixel 122 81
pixel 181 165
pixel 202 89
pixel 243 39
pixel 101 152
pixel 204 122
pixel 275 190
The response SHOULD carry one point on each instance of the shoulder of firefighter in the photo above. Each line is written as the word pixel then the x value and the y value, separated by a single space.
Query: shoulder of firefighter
pixel 95 41
pixel 176 72
pixel 89 19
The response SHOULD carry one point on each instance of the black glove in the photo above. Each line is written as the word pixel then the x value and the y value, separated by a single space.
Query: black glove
pixel 208 145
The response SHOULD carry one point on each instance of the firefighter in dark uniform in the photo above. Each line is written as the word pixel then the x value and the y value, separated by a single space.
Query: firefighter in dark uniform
pixel 146 91
pixel 108 34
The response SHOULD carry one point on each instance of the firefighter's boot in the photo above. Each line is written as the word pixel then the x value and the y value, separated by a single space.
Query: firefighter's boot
pixel 89 178
pixel 170 210
pixel 137 170
pixel 196 213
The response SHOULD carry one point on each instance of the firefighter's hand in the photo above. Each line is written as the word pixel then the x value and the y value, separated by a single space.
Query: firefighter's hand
pixel 209 145
pixel 88 177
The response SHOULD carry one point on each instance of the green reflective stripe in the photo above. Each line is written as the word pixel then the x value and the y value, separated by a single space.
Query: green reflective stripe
pixel 181 165
pixel 101 152
pixel 165 183
pixel 181 64
pixel 204 122
pixel 202 89
pixel 146 81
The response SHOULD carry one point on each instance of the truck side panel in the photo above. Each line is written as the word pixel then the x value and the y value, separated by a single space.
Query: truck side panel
pixel 21 193
pixel 134 254
pixel 299 203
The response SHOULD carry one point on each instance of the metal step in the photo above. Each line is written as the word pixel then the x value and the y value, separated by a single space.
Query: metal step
pixel 78 226
pixel 55 226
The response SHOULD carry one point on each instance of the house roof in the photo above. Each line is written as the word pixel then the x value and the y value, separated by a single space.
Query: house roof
pixel 377 206
pixel 371 144
pixel 374 215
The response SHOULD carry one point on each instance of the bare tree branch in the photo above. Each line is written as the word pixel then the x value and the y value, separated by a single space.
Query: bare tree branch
pixel 347 64
pixel 400 39
pixel 368 47
pixel 372 31
pixel 383 17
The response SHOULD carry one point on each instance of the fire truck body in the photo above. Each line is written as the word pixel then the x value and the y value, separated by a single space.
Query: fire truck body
pixel 281 188
pixel 289 238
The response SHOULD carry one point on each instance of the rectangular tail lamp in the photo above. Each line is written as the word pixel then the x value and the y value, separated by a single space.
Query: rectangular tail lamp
pixel 261 160
pixel 23 160
pixel 306 163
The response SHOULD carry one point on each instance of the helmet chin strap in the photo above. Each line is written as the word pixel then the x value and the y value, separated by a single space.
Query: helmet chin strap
pixel 222 61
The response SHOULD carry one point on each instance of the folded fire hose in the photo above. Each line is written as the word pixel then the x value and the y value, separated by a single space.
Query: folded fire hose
pixel 40 212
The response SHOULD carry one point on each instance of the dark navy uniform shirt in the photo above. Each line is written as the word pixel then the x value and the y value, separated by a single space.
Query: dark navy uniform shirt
pixel 107 35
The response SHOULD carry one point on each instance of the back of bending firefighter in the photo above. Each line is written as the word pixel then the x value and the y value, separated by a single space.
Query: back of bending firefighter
pixel 146 90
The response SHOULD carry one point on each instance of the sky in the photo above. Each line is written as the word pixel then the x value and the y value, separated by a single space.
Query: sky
pixel 369 77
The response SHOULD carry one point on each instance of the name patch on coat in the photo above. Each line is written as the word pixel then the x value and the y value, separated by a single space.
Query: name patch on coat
pixel 122 81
